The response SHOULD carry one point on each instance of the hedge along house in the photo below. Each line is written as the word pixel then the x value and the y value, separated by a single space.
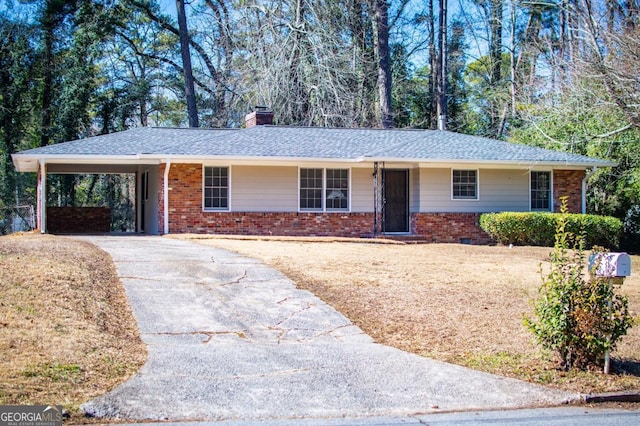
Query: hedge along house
pixel 306 181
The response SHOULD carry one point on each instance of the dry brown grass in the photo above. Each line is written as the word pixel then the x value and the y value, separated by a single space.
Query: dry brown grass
pixel 456 303
pixel 66 330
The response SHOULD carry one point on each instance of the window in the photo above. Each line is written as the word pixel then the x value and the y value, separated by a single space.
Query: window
pixel 216 188
pixel 333 183
pixel 465 184
pixel 310 189
pixel 541 191
pixel 337 189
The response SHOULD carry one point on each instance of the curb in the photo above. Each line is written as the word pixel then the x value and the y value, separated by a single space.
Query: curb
pixel 632 396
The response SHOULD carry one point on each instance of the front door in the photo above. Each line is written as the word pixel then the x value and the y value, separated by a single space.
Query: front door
pixel 396 200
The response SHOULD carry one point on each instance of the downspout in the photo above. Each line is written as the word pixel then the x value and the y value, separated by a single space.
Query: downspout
pixel 375 199
pixel 43 196
pixel 166 196
pixel 584 188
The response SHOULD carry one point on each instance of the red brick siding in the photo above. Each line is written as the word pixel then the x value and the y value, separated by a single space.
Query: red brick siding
pixel 277 223
pixel 449 227
pixel 185 197
pixel 568 183
pixel 433 227
pixel 80 220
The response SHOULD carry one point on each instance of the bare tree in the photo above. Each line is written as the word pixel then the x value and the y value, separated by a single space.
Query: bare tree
pixel 612 53
pixel 214 58
pixel 442 67
pixel 192 109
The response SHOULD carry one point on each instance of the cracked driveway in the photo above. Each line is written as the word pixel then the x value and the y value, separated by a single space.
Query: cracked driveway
pixel 230 338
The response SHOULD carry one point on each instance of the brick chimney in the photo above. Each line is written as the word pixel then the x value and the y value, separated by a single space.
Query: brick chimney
pixel 259 117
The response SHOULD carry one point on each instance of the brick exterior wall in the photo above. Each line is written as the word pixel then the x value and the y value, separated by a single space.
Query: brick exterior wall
pixel 185 198
pixel 568 183
pixel 78 220
pixel 281 223
pixel 449 228
pixel 186 214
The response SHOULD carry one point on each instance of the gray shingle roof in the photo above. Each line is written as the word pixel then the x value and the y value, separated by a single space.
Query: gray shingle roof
pixel 141 140
pixel 307 143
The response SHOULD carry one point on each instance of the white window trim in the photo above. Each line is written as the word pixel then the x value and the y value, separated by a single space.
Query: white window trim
pixel 321 209
pixel 214 209
pixel 324 209
pixel 477 198
pixel 550 209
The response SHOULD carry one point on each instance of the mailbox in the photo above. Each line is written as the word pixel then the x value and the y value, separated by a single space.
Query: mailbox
pixel 610 264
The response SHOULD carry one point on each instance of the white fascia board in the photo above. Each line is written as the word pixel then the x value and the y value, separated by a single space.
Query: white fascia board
pixel 29 163
pixel 494 163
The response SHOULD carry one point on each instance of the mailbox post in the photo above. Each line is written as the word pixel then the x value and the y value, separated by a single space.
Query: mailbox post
pixel 615 267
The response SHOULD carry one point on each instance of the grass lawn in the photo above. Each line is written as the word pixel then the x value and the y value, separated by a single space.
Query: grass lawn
pixel 66 330
pixel 456 303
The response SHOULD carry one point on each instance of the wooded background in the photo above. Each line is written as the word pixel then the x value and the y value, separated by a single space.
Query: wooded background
pixel 562 74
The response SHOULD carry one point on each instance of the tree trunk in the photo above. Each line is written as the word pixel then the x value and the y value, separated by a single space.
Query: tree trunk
pixel 442 67
pixel 192 110
pixel 46 103
pixel 495 55
pixel 433 67
pixel 384 64
pixel 299 98
pixel 496 41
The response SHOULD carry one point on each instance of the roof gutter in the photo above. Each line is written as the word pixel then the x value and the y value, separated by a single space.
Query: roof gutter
pixel 519 163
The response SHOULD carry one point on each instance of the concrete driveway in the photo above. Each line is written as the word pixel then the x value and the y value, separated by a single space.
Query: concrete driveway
pixel 232 339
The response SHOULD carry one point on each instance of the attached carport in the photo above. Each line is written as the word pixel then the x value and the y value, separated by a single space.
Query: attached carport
pixel 144 152
pixel 94 219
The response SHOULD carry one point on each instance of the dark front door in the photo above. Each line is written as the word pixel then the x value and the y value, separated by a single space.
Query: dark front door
pixel 396 200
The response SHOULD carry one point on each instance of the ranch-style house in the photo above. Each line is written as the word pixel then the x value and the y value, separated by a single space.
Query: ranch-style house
pixel 307 181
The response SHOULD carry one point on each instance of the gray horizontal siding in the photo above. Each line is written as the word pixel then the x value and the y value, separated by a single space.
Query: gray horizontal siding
pixel 275 189
pixel 500 190
pixel 361 190
pixel 264 189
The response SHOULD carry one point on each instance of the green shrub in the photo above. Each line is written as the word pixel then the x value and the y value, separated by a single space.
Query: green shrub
pixel 538 228
pixel 577 318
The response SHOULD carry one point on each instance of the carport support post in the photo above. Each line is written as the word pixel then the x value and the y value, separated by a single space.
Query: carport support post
pixel 42 195
pixel 166 196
